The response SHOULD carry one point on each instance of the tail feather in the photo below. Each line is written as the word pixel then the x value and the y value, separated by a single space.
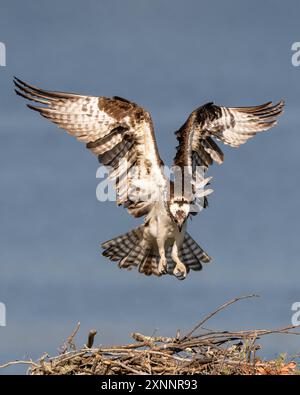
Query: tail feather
pixel 115 253
pixel 190 247
pixel 150 264
pixel 192 254
pixel 131 250
pixel 135 257
pixel 119 247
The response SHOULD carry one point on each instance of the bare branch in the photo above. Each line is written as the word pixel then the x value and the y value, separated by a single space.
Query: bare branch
pixel 209 316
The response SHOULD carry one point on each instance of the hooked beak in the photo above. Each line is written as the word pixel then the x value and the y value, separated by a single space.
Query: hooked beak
pixel 181 218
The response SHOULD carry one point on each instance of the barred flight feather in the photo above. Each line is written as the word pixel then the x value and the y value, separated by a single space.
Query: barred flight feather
pixel 113 128
pixel 120 133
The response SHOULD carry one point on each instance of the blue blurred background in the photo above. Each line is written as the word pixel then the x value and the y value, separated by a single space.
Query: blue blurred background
pixel 170 57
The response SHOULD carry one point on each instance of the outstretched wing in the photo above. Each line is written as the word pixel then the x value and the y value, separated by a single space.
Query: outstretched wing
pixel 232 126
pixel 118 131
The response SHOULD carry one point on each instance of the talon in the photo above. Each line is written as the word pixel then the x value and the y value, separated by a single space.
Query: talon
pixel 180 272
pixel 163 271
pixel 162 267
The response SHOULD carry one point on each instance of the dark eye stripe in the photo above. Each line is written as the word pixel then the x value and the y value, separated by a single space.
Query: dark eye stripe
pixel 180 202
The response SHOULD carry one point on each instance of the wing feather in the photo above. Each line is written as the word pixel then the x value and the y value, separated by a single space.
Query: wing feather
pixel 114 129
pixel 233 126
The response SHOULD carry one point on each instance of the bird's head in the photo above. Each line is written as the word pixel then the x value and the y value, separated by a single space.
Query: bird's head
pixel 179 209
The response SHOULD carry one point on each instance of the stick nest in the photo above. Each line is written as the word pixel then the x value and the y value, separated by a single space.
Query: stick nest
pixel 201 351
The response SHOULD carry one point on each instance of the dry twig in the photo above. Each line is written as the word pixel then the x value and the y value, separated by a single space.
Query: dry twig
pixel 208 352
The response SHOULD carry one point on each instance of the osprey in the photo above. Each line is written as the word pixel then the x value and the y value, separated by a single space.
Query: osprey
pixel 119 131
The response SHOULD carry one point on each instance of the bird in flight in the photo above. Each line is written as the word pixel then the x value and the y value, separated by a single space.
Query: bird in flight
pixel 121 134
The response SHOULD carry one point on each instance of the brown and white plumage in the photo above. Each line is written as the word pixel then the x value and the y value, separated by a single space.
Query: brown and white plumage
pixel 121 134
pixel 231 125
pixel 112 128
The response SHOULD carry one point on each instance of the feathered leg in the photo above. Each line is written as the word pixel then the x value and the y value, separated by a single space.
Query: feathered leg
pixel 162 265
pixel 180 269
